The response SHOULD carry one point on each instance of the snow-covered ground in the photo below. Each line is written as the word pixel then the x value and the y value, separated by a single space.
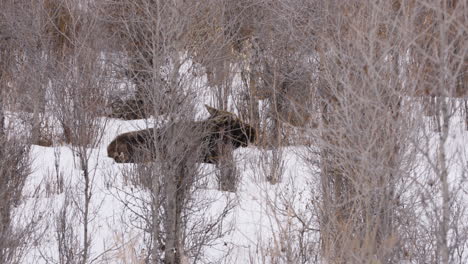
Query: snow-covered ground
pixel 114 229
pixel 261 218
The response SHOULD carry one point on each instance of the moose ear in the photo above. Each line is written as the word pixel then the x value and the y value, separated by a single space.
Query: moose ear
pixel 211 110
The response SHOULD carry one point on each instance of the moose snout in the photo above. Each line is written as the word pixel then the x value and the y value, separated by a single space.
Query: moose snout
pixel 118 157
pixel 116 152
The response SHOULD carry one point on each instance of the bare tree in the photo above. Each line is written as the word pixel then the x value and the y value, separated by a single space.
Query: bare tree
pixel 77 95
pixel 17 225
pixel 369 128
pixel 363 131
pixel 155 35
pixel 437 69
pixel 14 170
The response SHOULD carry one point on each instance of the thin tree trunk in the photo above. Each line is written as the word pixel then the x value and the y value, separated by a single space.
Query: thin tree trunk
pixel 2 113
pixel 155 218
pixel 87 203
pixel 227 173
pixel 254 113
pixel 3 65
pixel 175 195
pixel 443 177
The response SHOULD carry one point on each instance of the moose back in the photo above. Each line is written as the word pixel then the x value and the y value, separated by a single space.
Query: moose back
pixel 203 141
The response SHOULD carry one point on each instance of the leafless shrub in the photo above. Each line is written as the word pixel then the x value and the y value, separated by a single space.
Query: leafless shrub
pixel 61 25
pixel 358 176
pixel 68 242
pixel 154 35
pixel 128 109
pixel 17 224
pixel 77 94
pixel 26 68
pixel 14 170
pixel 16 233
pixel 362 151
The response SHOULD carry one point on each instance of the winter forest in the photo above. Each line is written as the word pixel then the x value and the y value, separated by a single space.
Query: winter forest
pixel 233 131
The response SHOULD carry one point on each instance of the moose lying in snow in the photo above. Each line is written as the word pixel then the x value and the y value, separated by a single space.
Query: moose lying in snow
pixel 203 141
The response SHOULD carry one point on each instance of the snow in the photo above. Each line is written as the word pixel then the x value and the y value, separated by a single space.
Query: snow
pixel 115 230
pixel 260 220
pixel 254 224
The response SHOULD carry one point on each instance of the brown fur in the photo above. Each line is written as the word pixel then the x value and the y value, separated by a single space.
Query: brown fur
pixel 204 140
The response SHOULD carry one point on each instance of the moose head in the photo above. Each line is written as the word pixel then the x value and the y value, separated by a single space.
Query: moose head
pixel 132 147
pixel 222 129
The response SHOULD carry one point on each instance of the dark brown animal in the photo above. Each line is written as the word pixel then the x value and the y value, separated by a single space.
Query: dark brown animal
pixel 203 140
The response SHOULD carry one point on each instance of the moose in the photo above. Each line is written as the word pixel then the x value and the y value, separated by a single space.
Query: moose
pixel 208 139
pixel 177 147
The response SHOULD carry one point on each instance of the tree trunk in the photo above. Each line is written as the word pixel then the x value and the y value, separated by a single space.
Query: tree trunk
pixel 176 194
pixel 227 174
pixel 3 87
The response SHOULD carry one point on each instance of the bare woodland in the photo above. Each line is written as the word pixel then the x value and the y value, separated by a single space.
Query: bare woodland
pixel 370 96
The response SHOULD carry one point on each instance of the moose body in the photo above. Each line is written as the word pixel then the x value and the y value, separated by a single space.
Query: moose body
pixel 203 140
